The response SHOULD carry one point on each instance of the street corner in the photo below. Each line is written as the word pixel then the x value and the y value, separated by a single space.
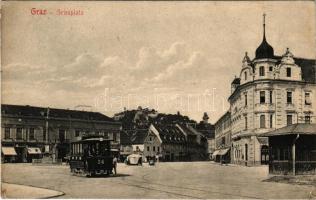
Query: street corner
pixel 16 191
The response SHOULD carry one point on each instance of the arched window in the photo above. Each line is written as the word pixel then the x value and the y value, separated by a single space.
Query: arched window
pixel 245 73
pixel 262 121
pixel 261 71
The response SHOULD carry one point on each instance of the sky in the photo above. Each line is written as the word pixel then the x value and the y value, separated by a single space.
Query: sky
pixel 170 56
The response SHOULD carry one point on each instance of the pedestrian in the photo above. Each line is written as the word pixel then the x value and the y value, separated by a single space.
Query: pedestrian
pixel 114 164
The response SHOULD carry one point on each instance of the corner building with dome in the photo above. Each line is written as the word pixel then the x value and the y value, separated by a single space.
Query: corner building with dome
pixel 271 92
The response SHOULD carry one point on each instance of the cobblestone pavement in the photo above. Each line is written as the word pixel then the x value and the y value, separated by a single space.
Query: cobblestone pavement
pixel 165 180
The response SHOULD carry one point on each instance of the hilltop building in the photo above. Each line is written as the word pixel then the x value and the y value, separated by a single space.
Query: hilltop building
pixel 208 130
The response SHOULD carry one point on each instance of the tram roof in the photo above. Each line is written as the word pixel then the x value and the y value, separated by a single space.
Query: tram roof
pixel 98 139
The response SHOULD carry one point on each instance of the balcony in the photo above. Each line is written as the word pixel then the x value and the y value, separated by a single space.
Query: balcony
pixel 264 107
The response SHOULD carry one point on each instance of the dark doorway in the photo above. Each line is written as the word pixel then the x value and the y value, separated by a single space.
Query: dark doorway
pixel 62 151
pixel 264 155
pixel 61 135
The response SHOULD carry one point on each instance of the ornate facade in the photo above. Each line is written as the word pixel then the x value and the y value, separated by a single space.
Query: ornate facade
pixel 271 92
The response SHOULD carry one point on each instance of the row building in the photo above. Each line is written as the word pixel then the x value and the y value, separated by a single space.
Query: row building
pixel 29 132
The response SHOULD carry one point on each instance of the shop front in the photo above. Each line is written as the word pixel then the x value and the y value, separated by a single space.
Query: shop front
pixel 293 150
pixel 222 155
pixel 9 154
pixel 33 153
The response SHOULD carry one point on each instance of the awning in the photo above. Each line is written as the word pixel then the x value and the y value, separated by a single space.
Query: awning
pixel 223 152
pixel 215 153
pixel 8 151
pixel 34 150
pixel 126 153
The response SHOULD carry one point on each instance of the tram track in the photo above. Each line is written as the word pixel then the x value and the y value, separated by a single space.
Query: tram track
pixel 145 183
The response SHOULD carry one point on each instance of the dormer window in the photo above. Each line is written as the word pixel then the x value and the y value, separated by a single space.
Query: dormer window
pixel 261 71
pixel 245 73
pixel 288 72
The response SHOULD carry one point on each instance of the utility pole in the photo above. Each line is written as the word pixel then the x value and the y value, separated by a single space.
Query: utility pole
pixel 294 154
pixel 46 133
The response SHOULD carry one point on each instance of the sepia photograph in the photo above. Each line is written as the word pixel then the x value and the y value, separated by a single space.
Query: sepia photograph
pixel 158 99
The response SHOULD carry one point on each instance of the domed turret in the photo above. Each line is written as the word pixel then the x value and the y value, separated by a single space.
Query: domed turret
pixel 265 50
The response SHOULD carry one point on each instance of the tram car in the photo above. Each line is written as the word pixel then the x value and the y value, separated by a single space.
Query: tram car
pixel 91 156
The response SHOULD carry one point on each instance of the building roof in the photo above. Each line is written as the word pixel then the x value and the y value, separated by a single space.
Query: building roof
pixel 302 129
pixel 236 81
pixel 206 129
pixel 170 133
pixel 124 138
pixel 187 130
pixel 32 111
pixel 223 117
pixel 265 50
pixel 196 132
pixel 136 136
pixel 308 67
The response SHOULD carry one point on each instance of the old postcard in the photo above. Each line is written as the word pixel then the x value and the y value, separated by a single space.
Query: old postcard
pixel 158 99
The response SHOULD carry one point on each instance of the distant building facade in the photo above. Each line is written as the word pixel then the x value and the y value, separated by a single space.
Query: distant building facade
pixel 175 142
pixel 166 142
pixel 196 143
pixel 136 137
pixel 223 139
pixel 208 130
pixel 126 146
pixel 31 132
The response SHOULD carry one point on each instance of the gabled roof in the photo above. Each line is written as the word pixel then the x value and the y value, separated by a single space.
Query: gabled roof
pixel 33 111
pixel 194 131
pixel 124 138
pixel 308 67
pixel 136 136
pixel 186 130
pixel 302 129
pixel 170 133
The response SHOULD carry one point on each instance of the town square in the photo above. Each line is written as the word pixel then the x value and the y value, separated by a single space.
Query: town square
pixel 180 180
pixel 158 100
